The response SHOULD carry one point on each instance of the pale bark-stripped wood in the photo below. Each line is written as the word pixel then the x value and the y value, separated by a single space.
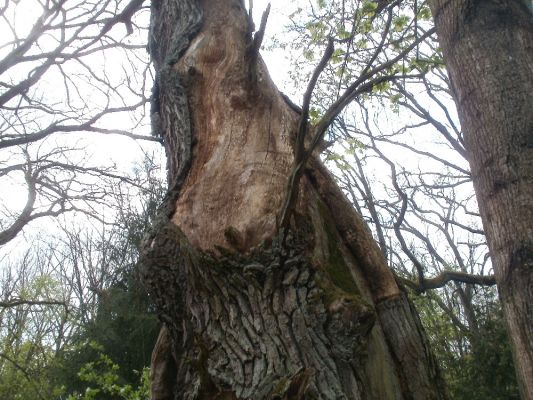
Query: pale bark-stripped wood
pixel 250 313
pixel 488 51
pixel 242 134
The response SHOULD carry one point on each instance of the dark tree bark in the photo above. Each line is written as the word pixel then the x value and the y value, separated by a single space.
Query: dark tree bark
pixel 251 311
pixel 488 50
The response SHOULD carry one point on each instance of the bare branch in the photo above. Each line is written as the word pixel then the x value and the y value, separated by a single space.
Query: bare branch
pixel 259 35
pixel 303 128
pixel 356 88
pixel 448 276
pixel 20 302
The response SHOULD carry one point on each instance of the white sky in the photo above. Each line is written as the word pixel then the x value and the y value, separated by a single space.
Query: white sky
pixel 122 151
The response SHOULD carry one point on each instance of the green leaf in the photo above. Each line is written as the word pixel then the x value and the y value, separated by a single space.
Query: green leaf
pixel 369 7
pixel 361 44
pixel 337 56
pixel 316 30
pixel 424 14
pixel 399 23
pixel 366 26
pixel 333 157
pixel 314 116
pixel 342 33
pixel 395 98
pixel 309 55
pixel 381 87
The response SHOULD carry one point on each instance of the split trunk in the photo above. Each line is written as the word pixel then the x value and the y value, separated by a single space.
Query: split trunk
pixel 249 311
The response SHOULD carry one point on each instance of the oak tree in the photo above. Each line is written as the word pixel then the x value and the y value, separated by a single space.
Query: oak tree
pixel 269 283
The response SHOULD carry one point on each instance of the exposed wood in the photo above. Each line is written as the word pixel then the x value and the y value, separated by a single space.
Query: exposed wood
pixel 242 138
pixel 252 313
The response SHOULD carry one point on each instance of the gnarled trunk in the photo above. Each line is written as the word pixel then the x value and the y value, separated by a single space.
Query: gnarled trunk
pixel 488 50
pixel 252 312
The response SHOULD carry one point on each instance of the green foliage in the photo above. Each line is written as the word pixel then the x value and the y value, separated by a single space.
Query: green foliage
pixel 369 7
pixel 26 350
pixel 425 64
pixel 342 33
pixel 125 327
pixel 104 382
pixel 317 30
pixel 353 146
pixel 359 44
pixel 38 364
pixel 308 55
pixel 477 363
pixel 395 98
pixel 381 87
pixel 487 372
pixel 400 22
pixel 314 116
pixel 338 55
pixel 24 376
pixel 424 13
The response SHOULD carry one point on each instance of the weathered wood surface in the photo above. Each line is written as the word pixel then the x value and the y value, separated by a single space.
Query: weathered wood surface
pixel 251 313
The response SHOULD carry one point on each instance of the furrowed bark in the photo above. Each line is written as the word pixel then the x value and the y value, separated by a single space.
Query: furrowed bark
pixel 488 50
pixel 249 312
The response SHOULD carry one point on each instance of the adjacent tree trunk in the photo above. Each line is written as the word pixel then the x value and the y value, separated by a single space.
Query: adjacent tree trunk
pixel 488 50
pixel 251 312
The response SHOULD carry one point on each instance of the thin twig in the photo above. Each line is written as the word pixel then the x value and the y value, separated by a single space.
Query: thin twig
pixel 303 128
pixel 448 276
pixel 19 302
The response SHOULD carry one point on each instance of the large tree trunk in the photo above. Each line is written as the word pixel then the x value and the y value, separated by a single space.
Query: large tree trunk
pixel 488 50
pixel 252 312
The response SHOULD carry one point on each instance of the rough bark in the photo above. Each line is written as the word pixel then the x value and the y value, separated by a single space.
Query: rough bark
pixel 251 313
pixel 488 50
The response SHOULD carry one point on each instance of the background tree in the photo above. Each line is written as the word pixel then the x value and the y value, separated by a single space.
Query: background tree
pixel 68 70
pixel 487 49
pixel 75 299
pixel 31 331
pixel 65 69
pixel 118 321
